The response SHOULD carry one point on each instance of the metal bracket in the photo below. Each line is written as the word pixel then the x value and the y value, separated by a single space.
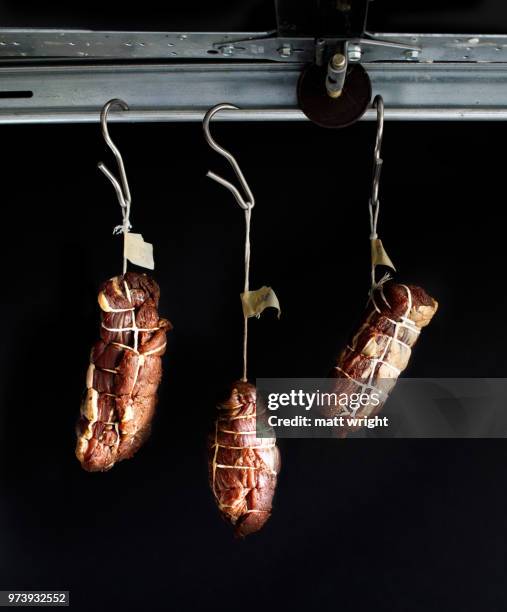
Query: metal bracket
pixel 89 45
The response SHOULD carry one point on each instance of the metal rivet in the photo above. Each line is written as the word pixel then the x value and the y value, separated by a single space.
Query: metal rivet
pixel 285 50
pixel 412 54
pixel 228 50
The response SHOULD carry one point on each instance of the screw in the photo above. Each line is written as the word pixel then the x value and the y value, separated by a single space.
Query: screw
pixel 228 49
pixel 285 50
pixel 412 54
pixel 354 52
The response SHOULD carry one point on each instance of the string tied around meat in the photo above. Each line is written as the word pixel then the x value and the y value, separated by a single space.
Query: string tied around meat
pixel 254 302
pixel 378 253
pixel 246 287
pixel 121 187
pixel 245 203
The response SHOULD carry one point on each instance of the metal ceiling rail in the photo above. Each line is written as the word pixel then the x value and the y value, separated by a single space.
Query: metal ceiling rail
pixel 264 91
pixel 72 73
pixel 263 46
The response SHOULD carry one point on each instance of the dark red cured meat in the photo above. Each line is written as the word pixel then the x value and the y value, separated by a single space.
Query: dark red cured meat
pixel 124 373
pixel 243 469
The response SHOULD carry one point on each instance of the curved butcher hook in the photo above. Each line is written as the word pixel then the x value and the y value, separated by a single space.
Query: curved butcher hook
pixel 121 187
pixel 378 103
pixel 249 202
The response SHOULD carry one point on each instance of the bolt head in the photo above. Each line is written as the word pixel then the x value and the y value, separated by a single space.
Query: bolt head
pixel 354 52
pixel 285 51
pixel 338 61
pixel 412 54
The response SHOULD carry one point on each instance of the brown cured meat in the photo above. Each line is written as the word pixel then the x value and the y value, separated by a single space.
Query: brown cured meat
pixel 381 349
pixel 242 468
pixel 124 373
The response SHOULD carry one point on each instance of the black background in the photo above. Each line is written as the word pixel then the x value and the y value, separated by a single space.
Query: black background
pixel 357 524
pixel 459 16
pixel 395 524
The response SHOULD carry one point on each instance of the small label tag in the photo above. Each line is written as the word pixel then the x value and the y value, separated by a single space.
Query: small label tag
pixel 254 302
pixel 379 257
pixel 139 252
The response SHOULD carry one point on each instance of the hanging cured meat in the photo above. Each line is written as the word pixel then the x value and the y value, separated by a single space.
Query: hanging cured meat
pixel 124 373
pixel 242 468
pixel 381 348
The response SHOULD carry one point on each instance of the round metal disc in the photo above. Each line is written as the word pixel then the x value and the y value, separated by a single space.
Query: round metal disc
pixel 334 112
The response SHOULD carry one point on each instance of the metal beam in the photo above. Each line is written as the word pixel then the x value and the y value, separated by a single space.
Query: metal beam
pixel 264 91
pixel 263 46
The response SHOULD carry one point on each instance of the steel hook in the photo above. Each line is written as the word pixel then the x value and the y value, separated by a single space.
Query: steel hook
pixel 122 190
pixel 378 103
pixel 249 203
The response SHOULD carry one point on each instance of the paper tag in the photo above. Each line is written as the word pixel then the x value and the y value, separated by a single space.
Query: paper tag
pixel 379 257
pixel 254 302
pixel 139 252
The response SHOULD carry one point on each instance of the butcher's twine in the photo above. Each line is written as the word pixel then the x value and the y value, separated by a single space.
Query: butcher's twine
pixel 373 236
pixel 124 229
pixel 246 288
pixel 374 203
pixel 403 322
pixel 374 210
